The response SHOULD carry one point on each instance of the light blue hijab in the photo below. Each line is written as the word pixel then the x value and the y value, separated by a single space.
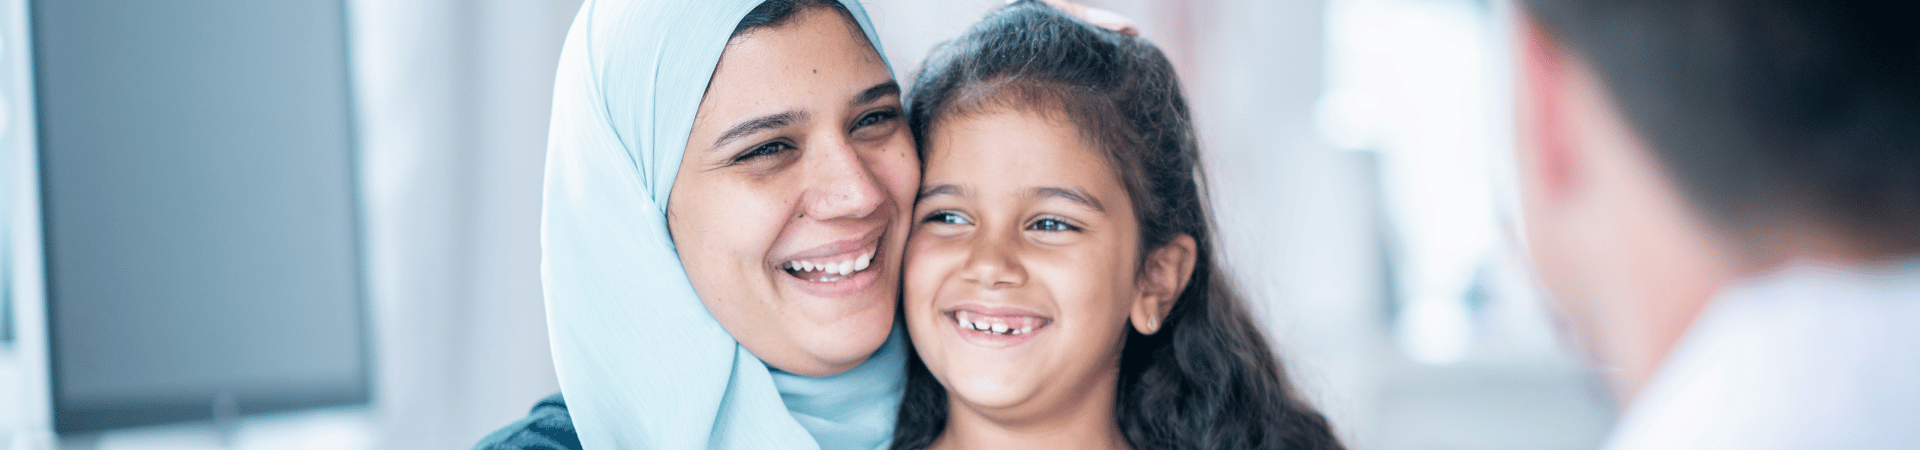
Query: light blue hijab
pixel 641 361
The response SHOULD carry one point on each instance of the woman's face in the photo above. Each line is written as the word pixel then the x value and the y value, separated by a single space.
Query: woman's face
pixel 790 207
pixel 1020 272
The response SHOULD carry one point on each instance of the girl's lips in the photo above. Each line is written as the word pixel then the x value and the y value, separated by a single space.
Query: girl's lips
pixel 996 326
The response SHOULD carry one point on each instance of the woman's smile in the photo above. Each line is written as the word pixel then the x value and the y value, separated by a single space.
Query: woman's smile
pixel 837 269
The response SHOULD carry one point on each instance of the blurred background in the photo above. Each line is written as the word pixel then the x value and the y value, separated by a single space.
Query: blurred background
pixel 366 176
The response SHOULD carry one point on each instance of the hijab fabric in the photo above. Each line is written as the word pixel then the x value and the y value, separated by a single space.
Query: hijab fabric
pixel 641 361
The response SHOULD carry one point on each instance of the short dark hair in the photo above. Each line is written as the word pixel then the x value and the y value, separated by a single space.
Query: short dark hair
pixel 774 13
pixel 1767 111
pixel 1208 379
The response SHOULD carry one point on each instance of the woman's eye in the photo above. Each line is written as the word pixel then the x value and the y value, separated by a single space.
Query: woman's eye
pixel 875 118
pixel 947 217
pixel 1052 225
pixel 767 149
pixel 876 125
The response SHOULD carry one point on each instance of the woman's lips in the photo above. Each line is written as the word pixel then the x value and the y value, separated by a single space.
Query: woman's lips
pixel 835 270
pixel 834 261
pixel 996 326
pixel 824 270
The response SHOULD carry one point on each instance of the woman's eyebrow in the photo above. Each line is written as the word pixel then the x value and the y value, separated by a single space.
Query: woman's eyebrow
pixel 1075 195
pixel 876 92
pixel 758 124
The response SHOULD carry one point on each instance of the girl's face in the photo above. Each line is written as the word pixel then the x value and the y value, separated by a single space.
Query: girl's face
pixel 1020 275
pixel 791 206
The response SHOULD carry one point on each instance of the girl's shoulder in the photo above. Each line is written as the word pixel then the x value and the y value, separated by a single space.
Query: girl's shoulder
pixel 546 427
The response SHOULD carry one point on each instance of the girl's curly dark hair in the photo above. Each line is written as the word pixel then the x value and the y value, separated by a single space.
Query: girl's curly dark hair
pixel 1208 379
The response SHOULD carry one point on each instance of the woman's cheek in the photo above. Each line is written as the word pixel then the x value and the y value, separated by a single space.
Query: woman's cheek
pixel 905 184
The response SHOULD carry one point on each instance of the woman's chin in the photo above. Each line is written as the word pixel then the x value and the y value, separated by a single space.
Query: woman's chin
pixel 822 335
pixel 838 347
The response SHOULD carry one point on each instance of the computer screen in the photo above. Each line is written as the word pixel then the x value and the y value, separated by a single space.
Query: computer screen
pixel 199 209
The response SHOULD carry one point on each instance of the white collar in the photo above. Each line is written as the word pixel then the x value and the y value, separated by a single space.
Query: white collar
pixel 1816 355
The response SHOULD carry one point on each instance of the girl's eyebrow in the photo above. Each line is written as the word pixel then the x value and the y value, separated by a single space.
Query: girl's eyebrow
pixel 1070 194
pixel 940 189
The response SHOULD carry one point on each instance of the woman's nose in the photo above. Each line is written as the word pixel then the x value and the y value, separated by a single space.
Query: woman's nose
pixel 994 265
pixel 843 186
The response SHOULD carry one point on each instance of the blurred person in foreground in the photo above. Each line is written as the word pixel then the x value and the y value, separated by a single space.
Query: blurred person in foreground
pixel 1723 197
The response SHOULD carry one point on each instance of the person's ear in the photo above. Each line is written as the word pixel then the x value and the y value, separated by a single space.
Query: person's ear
pixel 1166 273
pixel 1546 138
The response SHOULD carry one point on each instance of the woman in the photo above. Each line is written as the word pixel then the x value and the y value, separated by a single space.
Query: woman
pixel 1062 286
pixel 726 200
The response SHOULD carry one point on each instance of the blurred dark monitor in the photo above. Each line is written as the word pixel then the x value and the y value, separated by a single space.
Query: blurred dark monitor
pixel 199 208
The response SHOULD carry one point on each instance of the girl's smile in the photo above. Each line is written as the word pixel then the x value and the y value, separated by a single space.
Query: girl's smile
pixel 996 326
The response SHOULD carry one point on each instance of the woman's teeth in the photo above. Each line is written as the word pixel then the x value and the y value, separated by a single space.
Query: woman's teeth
pixel 827 271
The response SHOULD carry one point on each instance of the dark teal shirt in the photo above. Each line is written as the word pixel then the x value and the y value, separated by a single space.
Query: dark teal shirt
pixel 547 427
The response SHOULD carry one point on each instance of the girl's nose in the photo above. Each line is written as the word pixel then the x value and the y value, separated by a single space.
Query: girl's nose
pixel 993 265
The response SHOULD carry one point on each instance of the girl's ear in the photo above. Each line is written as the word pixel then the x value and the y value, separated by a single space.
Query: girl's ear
pixel 1168 269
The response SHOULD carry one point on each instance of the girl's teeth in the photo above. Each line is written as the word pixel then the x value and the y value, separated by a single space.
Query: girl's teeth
pixel 862 262
pixel 965 319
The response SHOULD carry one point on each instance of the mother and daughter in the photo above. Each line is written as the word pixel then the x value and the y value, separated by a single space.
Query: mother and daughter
pixel 739 224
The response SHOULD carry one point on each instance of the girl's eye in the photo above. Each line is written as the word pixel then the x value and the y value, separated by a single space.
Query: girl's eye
pixel 763 150
pixel 1051 224
pixel 947 217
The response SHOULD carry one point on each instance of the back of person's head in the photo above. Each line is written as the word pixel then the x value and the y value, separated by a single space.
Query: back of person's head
pixel 1800 113
pixel 1208 378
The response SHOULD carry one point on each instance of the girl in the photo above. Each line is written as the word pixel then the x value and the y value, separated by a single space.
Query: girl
pixel 1061 287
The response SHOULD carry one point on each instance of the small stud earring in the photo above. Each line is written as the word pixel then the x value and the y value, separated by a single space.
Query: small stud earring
pixel 1152 325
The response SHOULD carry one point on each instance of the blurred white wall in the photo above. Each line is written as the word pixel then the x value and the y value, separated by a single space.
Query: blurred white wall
pixel 1331 242
pixel 453 101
